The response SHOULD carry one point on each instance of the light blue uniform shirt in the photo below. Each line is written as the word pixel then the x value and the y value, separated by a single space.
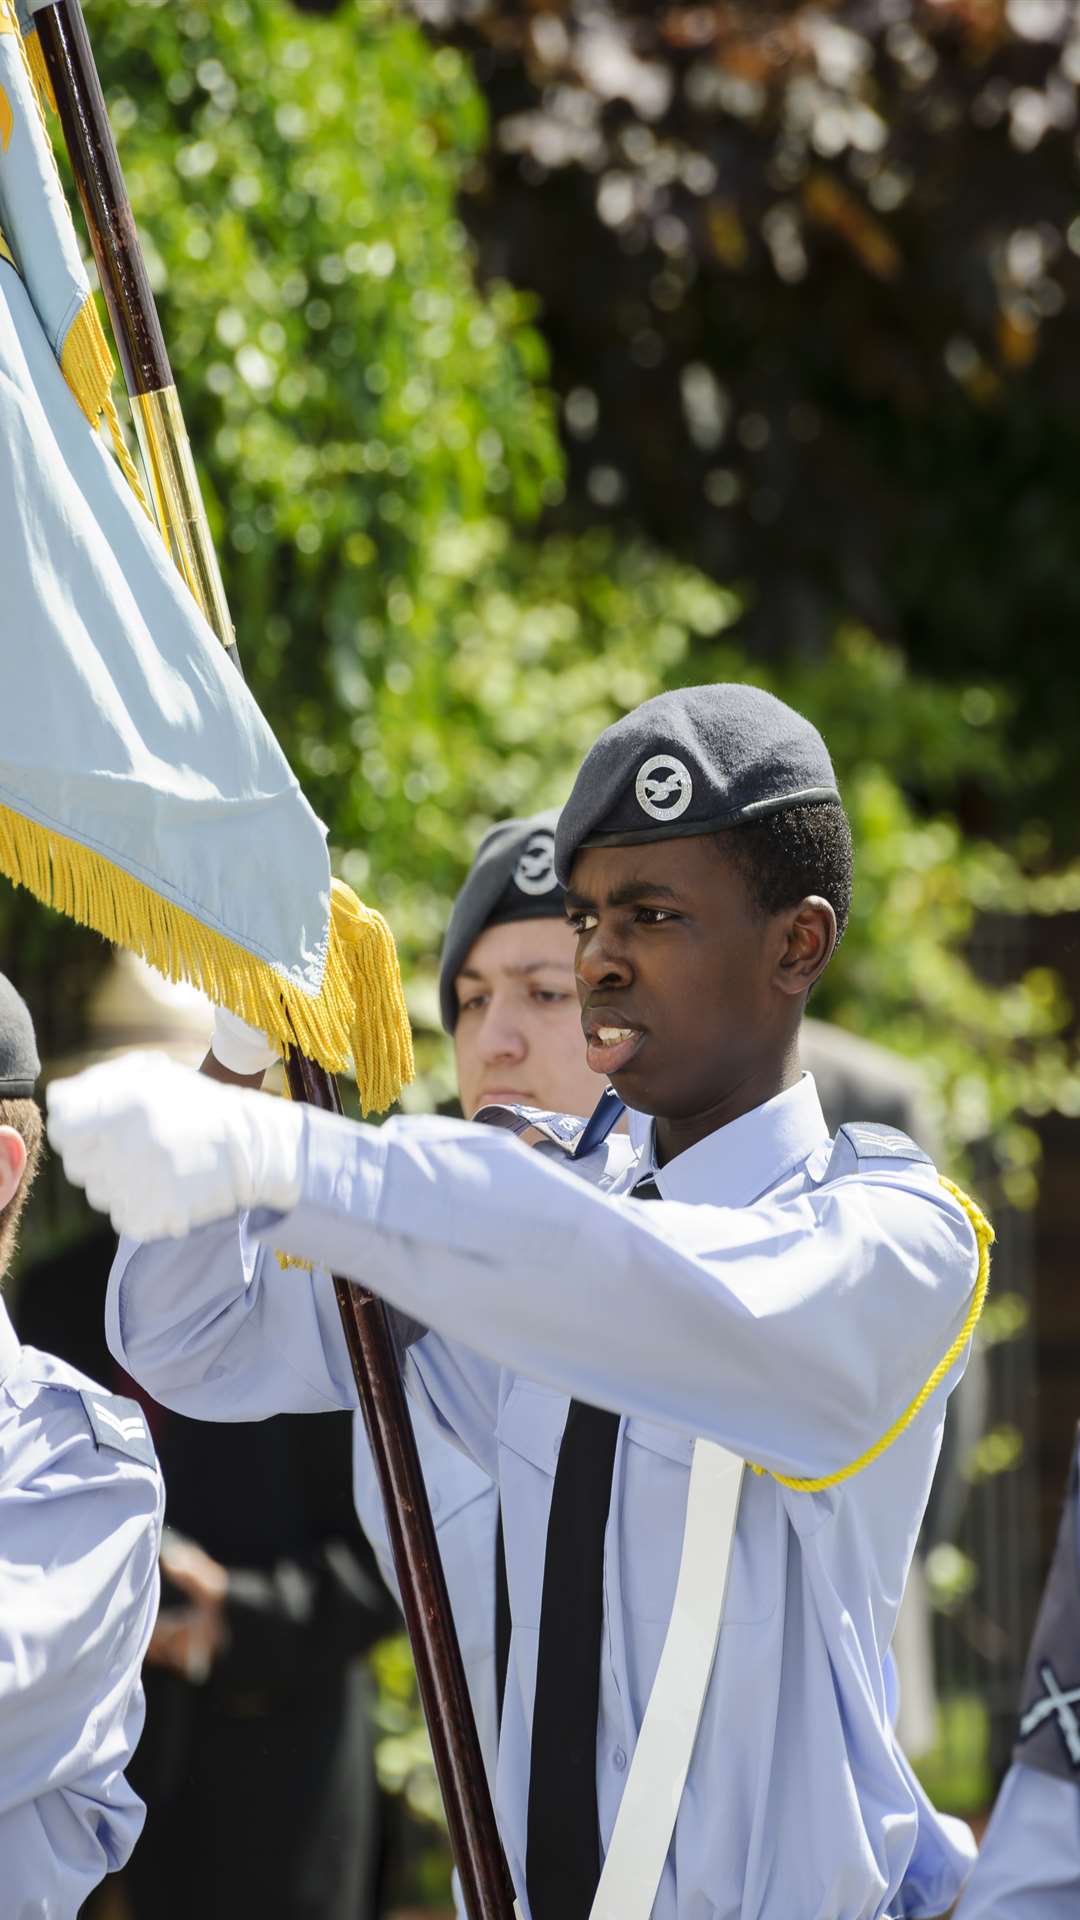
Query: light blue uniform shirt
pixel 1029 1862
pixel 80 1527
pixel 787 1317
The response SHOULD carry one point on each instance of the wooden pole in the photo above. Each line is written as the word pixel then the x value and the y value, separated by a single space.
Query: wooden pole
pixel 458 1760
pixel 178 503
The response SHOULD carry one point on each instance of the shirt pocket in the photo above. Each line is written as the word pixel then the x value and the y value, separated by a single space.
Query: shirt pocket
pixel 529 1433
pixel 654 1476
pixel 655 1481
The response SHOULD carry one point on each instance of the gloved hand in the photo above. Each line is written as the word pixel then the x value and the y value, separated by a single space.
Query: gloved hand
pixel 161 1149
pixel 241 1048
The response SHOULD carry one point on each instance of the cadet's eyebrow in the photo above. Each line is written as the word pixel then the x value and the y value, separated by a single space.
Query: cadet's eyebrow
pixel 524 967
pixel 625 896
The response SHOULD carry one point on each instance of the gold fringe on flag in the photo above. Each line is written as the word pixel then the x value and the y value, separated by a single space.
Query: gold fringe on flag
pixel 87 365
pixel 39 72
pixel 358 1016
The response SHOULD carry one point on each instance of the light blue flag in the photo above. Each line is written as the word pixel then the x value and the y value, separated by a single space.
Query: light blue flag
pixel 141 791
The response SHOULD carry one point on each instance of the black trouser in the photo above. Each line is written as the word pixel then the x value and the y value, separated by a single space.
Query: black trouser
pixel 255 1809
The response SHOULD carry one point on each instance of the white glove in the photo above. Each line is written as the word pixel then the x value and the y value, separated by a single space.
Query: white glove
pixel 162 1149
pixel 241 1048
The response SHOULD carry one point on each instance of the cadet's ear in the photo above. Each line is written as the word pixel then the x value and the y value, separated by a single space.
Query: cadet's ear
pixel 12 1162
pixel 811 938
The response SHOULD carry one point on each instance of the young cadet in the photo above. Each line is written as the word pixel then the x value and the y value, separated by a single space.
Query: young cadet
pixel 80 1527
pixel 1029 1863
pixel 611 1344
pixel 508 1000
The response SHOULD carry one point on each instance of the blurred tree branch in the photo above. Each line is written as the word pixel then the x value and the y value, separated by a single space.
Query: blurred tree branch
pixel 810 278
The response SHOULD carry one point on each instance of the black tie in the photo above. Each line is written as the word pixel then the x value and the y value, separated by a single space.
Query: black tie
pixel 562 1858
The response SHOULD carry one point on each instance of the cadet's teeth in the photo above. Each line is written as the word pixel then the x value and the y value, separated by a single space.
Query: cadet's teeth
pixel 611 1036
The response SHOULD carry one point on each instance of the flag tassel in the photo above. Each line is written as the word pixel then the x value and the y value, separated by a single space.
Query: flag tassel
pixel 358 1016
pixel 86 363
pixel 87 366
pixel 39 72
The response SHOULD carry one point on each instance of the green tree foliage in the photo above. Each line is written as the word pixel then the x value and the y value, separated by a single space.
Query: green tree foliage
pixel 351 396
pixel 377 446
pixel 833 253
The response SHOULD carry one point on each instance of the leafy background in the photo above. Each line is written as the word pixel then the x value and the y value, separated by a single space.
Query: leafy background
pixel 537 359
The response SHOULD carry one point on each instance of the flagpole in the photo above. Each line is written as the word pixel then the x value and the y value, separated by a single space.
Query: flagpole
pixel 159 423
pixel 181 515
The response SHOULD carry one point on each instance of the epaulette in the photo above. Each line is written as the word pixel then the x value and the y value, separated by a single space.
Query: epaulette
pixel 119 1424
pixel 861 1142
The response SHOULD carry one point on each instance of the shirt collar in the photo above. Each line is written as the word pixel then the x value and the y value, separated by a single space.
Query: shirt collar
pixel 741 1161
pixel 9 1343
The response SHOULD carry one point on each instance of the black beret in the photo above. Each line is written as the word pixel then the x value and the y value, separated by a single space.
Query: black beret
pixel 691 762
pixel 19 1063
pixel 512 878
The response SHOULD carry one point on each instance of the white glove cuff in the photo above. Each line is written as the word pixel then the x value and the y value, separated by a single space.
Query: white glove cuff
pixel 269 1170
pixel 240 1048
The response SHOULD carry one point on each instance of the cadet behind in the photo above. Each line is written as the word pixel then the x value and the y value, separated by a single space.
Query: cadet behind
pixel 1029 1866
pixel 80 1521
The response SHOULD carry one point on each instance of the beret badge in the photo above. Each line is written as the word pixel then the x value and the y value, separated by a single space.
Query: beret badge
pixel 534 871
pixel 663 787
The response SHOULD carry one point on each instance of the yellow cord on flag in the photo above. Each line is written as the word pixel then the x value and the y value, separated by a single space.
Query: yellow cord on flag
pixel 39 72
pixel 984 1238
pixel 87 365
pixel 358 1017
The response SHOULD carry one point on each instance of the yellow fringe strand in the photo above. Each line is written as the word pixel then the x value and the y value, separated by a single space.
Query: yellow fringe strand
pixel 39 72
pixel 86 363
pixel 87 366
pixel 9 23
pixel 359 1014
pixel 984 1236
pixel 380 1037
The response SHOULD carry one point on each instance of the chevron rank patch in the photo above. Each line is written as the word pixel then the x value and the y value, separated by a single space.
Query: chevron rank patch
pixel 872 1142
pixel 119 1424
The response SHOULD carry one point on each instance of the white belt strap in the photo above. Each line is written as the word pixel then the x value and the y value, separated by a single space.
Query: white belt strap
pixel 646 1817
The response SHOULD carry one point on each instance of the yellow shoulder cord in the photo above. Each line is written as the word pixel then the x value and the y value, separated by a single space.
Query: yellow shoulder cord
pixel 984 1235
pixel 39 72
